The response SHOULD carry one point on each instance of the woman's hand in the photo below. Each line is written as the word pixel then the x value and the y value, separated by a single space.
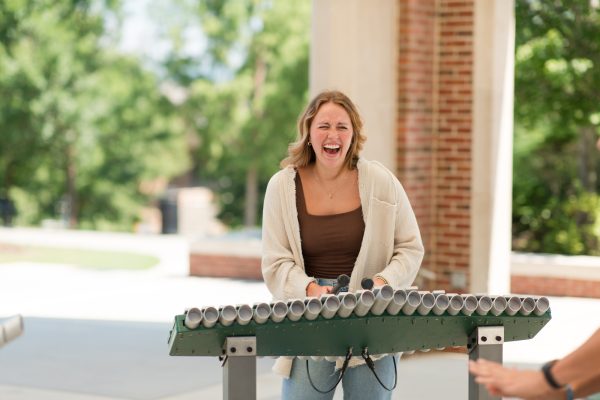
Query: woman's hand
pixel 315 290
pixel 378 282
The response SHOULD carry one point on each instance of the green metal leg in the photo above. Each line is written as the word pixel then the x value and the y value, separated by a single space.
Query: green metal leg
pixel 484 342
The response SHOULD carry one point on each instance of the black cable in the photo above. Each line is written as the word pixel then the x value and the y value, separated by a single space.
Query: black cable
pixel 344 367
pixel 223 360
pixel 371 365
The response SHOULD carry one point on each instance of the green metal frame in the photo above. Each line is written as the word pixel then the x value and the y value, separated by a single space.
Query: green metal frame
pixel 332 337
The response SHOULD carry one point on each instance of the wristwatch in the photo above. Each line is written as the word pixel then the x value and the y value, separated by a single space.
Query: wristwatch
pixel 549 377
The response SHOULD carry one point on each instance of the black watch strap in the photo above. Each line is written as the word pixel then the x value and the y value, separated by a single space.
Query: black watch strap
pixel 548 375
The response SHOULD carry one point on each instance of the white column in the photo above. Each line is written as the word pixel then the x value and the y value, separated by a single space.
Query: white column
pixel 354 49
pixel 491 195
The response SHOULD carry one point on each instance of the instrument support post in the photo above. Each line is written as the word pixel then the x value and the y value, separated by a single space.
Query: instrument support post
pixel 239 368
pixel 485 342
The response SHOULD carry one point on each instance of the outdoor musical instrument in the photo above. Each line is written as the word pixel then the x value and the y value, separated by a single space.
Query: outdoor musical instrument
pixel 382 321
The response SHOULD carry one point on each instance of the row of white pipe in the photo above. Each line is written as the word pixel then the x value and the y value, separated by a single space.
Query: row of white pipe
pixel 362 302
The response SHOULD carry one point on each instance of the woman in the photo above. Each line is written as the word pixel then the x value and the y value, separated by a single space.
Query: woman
pixel 329 212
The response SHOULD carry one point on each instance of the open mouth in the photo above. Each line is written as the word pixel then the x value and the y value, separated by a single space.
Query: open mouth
pixel 332 148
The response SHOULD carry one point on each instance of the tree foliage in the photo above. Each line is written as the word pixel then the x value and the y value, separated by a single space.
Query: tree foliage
pixel 81 125
pixel 244 99
pixel 556 202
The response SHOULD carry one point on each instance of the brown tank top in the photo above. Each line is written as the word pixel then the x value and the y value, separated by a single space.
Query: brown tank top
pixel 330 243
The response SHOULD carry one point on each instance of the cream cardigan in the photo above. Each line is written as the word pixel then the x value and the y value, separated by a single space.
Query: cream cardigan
pixel 391 245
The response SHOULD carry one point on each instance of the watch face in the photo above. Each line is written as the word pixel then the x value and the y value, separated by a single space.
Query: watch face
pixel 570 394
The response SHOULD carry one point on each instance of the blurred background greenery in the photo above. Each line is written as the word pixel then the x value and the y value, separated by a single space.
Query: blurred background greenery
pixel 556 202
pixel 86 258
pixel 91 133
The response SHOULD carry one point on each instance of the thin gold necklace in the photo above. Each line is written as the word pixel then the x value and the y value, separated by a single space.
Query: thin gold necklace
pixel 320 182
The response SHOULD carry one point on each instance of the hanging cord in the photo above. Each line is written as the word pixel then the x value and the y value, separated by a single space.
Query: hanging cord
pixel 344 367
pixel 223 360
pixel 371 365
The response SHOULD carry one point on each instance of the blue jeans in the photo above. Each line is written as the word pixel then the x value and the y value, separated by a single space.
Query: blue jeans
pixel 358 383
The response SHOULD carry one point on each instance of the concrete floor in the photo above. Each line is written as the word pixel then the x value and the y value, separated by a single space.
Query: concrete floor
pixel 72 359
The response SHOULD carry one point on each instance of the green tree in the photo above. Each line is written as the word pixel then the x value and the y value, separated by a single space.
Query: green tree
pixel 244 99
pixel 90 124
pixel 556 207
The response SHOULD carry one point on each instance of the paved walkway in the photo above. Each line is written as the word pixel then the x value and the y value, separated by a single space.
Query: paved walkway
pixel 97 335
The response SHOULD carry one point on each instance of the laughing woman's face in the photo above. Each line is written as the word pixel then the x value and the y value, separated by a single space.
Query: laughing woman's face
pixel 331 135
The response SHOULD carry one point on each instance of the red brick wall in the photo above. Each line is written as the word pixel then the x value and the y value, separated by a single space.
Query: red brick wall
pixel 225 266
pixel 554 286
pixel 434 128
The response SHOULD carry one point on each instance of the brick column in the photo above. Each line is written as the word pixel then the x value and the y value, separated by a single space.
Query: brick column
pixel 434 131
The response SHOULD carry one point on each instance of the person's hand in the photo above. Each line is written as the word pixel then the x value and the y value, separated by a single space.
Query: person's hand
pixel 501 381
pixel 552 395
pixel 315 290
pixel 378 282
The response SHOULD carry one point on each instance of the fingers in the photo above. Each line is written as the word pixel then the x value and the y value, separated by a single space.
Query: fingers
pixel 484 367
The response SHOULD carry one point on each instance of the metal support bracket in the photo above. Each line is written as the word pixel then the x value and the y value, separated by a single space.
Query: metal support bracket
pixel 239 370
pixel 485 342
pixel 240 346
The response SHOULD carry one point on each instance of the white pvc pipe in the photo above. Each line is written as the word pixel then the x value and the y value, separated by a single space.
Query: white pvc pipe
pixel 397 302
pixel 331 305
pixel 11 329
pixel 278 311
pixel 244 314
pixel 484 305
pixel 442 302
pixel 499 305
pixel 470 304
pixel 427 303
pixel 193 317
pixel 527 305
pixel 456 303
pixel 312 308
pixel 210 316
pixel 347 304
pixel 295 309
pixel 365 301
pixel 513 306
pixel 227 314
pixel 542 304
pixel 383 296
pixel 413 300
pixel 262 312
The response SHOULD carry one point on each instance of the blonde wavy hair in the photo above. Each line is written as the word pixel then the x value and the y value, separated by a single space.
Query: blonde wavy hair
pixel 300 154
